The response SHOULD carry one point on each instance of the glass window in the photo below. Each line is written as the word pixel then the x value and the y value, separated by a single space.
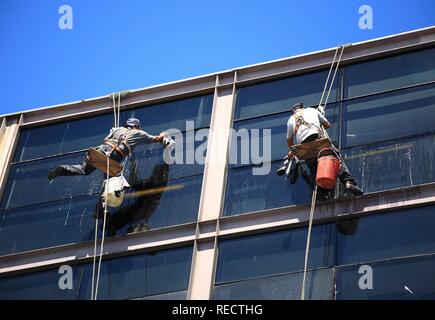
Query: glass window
pixel 157 203
pixel 402 279
pixel 394 164
pixel 55 223
pixel 149 204
pixel 278 142
pixel 280 95
pixel 121 278
pixel 63 137
pixel 247 192
pixel 389 116
pixel 89 132
pixel 319 286
pixel 390 73
pixel 28 183
pixel 274 253
pixel 389 235
pixel 146 157
pixel 174 114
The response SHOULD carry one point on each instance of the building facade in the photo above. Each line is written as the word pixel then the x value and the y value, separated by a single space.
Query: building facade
pixel 214 230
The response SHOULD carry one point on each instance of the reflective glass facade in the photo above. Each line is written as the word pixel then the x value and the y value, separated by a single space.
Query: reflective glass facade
pixel 383 122
pixel 398 246
pixel 64 208
pixel 162 240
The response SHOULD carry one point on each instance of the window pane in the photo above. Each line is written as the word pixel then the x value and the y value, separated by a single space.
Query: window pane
pixel 274 253
pixel 404 233
pixel 86 133
pixel 392 165
pixel 146 157
pixel 147 275
pixel 403 279
pixel 319 286
pixel 42 285
pixel 121 278
pixel 40 142
pixel 63 137
pixel 158 203
pixel 28 183
pixel 149 204
pixel 174 114
pixel 280 95
pixel 388 116
pixel 55 223
pixel 247 192
pixel 390 73
pixel 247 142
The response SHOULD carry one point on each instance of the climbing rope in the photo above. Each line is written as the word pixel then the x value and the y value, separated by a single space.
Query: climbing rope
pixel 335 62
pixel 95 282
pixel 307 249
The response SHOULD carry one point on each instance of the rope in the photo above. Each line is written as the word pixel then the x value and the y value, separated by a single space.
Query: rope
pixel 95 282
pixel 307 249
pixel 103 232
pixel 313 198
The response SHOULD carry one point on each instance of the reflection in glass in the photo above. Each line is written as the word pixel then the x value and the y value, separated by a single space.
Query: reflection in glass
pixel 280 95
pixel 278 143
pixel 319 286
pixel 274 253
pixel 402 279
pixel 63 137
pixel 121 278
pixel 389 116
pixel 390 73
pixel 388 235
pixel 55 223
pixel 156 202
pixel 28 184
pixel 247 192
pixel 174 114
pixel 395 164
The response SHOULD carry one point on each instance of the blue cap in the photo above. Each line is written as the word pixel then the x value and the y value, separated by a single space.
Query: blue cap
pixel 133 122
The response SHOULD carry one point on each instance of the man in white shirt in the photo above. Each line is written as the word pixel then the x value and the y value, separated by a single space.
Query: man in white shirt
pixel 306 125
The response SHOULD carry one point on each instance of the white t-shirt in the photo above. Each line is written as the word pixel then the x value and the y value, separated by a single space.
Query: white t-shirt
pixel 311 116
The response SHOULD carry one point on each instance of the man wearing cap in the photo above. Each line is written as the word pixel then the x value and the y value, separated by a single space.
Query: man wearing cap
pixel 306 125
pixel 120 143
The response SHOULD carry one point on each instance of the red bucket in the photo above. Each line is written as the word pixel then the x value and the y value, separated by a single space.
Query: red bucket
pixel 327 172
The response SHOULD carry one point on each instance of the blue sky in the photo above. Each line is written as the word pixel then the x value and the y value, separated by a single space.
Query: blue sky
pixel 128 44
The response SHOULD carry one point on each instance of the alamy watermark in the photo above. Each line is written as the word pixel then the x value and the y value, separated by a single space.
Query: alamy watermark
pixel 65 21
pixel 366 20
pixel 246 147
pixel 366 280
pixel 66 279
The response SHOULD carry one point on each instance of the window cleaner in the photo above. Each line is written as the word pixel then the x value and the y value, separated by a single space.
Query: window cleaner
pixel 109 157
pixel 306 127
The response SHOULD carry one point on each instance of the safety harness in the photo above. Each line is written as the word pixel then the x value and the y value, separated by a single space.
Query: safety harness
pixel 116 143
pixel 301 121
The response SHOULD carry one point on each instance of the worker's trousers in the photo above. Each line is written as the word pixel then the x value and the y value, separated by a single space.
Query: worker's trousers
pixel 84 168
pixel 343 175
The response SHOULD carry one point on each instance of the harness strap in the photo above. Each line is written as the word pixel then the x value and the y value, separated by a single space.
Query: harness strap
pixel 301 121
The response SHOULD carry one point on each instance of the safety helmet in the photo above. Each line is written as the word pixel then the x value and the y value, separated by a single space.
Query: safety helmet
pixel 298 105
pixel 133 122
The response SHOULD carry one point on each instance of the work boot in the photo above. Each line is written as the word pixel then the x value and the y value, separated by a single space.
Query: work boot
pixel 55 173
pixel 352 189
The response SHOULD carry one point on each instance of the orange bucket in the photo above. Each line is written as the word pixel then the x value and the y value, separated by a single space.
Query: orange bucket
pixel 328 168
